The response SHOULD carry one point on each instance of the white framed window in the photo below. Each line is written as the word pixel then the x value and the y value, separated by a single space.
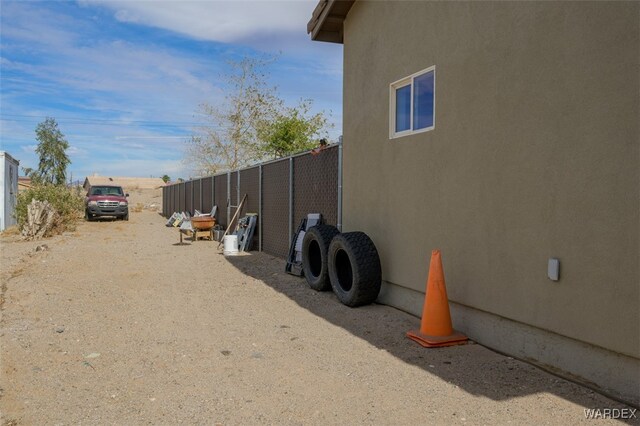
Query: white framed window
pixel 412 104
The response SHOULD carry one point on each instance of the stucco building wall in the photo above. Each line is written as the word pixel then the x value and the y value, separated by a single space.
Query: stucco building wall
pixel 535 154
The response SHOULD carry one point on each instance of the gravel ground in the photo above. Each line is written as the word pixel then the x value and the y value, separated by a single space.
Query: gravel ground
pixel 115 323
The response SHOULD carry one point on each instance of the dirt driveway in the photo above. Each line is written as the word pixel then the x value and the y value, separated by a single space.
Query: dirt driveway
pixel 116 324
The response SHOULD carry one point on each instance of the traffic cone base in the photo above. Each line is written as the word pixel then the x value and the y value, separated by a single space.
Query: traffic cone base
pixel 455 338
pixel 436 329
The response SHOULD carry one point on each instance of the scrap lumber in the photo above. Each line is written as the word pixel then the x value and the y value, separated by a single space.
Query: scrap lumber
pixel 233 219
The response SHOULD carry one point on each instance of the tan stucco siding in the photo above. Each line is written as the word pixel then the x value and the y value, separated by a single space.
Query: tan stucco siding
pixel 535 154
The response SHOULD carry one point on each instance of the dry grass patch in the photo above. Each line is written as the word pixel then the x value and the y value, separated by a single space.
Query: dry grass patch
pixel 12 230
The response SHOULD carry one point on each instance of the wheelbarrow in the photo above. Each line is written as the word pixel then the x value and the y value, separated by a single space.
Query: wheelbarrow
pixel 202 227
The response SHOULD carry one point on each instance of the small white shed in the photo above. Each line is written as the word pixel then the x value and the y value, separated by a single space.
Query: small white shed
pixel 8 189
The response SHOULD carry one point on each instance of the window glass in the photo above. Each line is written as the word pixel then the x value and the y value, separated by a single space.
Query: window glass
pixel 403 108
pixel 412 104
pixel 423 101
pixel 106 190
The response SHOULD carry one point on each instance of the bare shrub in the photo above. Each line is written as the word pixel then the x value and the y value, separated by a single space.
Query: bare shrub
pixel 67 203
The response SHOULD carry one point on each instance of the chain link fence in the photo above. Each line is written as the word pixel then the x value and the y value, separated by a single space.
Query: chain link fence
pixel 220 197
pixel 276 230
pixel 207 194
pixel 281 192
pixel 197 195
pixel 233 195
pixel 250 185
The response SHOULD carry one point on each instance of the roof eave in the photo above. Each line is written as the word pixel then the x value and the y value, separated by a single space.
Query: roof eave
pixel 327 20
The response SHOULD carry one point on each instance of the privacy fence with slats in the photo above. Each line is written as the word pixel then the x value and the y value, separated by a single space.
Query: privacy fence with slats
pixel 282 192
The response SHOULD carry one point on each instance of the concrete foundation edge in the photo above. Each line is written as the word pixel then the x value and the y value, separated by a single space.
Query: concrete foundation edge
pixel 611 373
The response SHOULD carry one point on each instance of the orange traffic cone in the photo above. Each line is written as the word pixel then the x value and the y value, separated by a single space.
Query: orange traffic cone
pixel 435 328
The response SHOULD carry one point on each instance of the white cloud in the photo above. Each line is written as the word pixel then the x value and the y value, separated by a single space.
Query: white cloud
pixel 122 99
pixel 222 21
pixel 23 21
pixel 136 167
pixel 74 151
pixel 122 74
pixel 29 149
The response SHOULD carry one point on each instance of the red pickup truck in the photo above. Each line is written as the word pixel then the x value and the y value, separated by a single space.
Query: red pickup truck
pixel 106 200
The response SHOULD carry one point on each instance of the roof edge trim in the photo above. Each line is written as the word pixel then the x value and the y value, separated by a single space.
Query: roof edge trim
pixel 327 20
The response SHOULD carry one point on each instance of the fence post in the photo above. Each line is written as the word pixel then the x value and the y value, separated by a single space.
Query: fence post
pixel 339 224
pixel 200 196
pixel 238 194
pixel 213 192
pixel 228 198
pixel 290 198
pixel 260 208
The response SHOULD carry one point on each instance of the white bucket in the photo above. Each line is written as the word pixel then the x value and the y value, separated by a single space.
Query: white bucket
pixel 230 245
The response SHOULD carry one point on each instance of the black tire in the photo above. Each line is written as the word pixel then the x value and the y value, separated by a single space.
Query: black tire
pixel 87 216
pixel 354 269
pixel 315 247
pixel 126 216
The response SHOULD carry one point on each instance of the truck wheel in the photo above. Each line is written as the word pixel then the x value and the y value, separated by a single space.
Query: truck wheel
pixel 126 216
pixel 315 246
pixel 354 269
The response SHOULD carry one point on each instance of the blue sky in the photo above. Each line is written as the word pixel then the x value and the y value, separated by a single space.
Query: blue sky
pixel 124 79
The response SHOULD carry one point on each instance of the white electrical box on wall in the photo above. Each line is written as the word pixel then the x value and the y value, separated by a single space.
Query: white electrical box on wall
pixel 553 269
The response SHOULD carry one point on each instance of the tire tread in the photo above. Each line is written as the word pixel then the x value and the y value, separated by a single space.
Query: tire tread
pixel 366 268
pixel 323 234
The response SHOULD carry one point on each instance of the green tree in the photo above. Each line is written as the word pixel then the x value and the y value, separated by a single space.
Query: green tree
pixel 166 178
pixel 52 146
pixel 293 130
pixel 229 140
pixel 252 124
